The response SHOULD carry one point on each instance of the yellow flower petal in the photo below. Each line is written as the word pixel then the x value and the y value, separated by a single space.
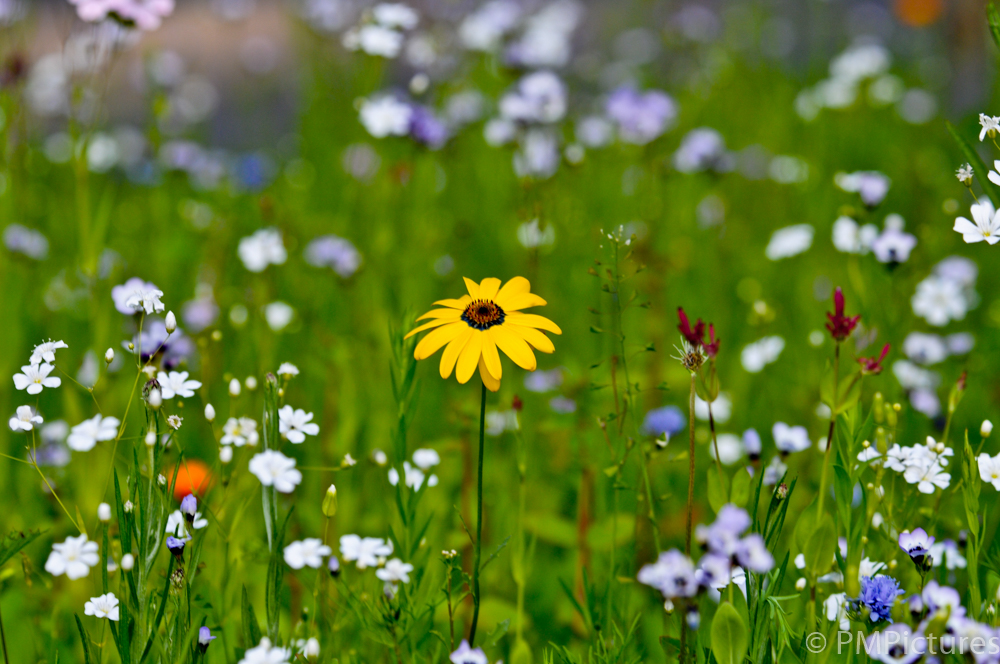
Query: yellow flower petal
pixel 491 383
pixel 453 350
pixel 513 346
pixel 533 337
pixel 426 326
pixel 454 314
pixel 532 320
pixel 488 288
pixel 439 337
pixel 491 357
pixel 522 301
pixel 469 359
pixel 473 288
pixel 460 303
pixel 515 286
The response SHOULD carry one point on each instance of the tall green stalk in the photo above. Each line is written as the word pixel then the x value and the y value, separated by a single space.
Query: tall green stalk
pixel 479 522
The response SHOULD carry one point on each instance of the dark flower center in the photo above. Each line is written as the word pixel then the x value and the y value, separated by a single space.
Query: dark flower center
pixel 483 314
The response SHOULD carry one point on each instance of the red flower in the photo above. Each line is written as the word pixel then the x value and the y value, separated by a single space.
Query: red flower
pixel 873 365
pixel 840 326
pixel 712 347
pixel 694 336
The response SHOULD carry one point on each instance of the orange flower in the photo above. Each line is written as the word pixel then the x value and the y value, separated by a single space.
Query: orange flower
pixel 193 477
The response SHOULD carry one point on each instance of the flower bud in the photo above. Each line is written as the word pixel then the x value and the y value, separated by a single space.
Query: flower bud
pixel 155 399
pixel 104 512
pixel 170 322
pixel 151 438
pixel 131 346
pixel 109 355
pixel 209 412
pixel 311 648
pixel 235 388
pixel 176 547
pixel 128 562
pixel 330 502
pixel 225 454
pixel 334 566
pixel 189 507
pixel 800 585
pixel 128 506
pixel 205 638
pixel 251 383
pixel 985 429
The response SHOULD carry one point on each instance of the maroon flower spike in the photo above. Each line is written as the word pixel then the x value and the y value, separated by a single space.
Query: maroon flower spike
pixel 712 347
pixel 694 336
pixel 873 365
pixel 840 326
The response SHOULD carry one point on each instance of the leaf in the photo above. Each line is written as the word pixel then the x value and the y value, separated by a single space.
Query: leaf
pixel 978 165
pixel 729 635
pixel 16 540
pixel 739 494
pixel 251 628
pixel 718 492
pixel 85 638
pixel 993 19
pixel 820 546
pixel 498 632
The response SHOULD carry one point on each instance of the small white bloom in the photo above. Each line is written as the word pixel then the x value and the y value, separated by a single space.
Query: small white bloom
pixel 128 562
pixel 155 399
pixel 261 249
pixel 306 553
pixel 74 558
pixel 365 552
pixel 288 370
pixel 395 571
pixel 759 354
pixel 225 454
pixel 239 432
pixel 209 412
pixel 109 355
pixel 278 315
pixel 985 429
pixel 105 606
pixel 275 469
pixel 177 525
pixel 170 322
pixel 235 388
pixel 939 300
pixel 46 352
pixel 987 221
pixel 386 116
pixel 964 174
pixel 395 15
pixel 104 512
pixel 85 435
pixel 296 424
pixel 850 238
pixel 990 126
pixel 349 460
pixel 25 419
pixel 265 653
pixel 989 469
pixel 789 241
pixel 250 383
pixel 145 300
pixel 176 383
pixel 426 458
pixel 309 647
pixel 34 377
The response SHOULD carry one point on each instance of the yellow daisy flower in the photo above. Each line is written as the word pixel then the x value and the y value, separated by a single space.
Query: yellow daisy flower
pixel 474 326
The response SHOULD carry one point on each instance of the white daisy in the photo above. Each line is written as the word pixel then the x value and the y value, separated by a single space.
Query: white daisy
pixel 46 351
pixel 239 432
pixel 306 553
pixel 105 606
pixel 176 383
pixel 296 424
pixel 365 552
pixel 34 377
pixel 275 469
pixel 85 435
pixel 987 221
pixel 74 558
pixel 25 419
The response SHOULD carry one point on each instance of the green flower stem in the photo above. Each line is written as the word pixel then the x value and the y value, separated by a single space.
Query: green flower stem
pixel 479 523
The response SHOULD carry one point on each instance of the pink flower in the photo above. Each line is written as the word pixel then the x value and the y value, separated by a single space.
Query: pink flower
pixel 142 14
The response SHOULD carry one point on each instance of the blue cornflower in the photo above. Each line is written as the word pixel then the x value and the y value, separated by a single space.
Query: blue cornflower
pixel 667 420
pixel 878 594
